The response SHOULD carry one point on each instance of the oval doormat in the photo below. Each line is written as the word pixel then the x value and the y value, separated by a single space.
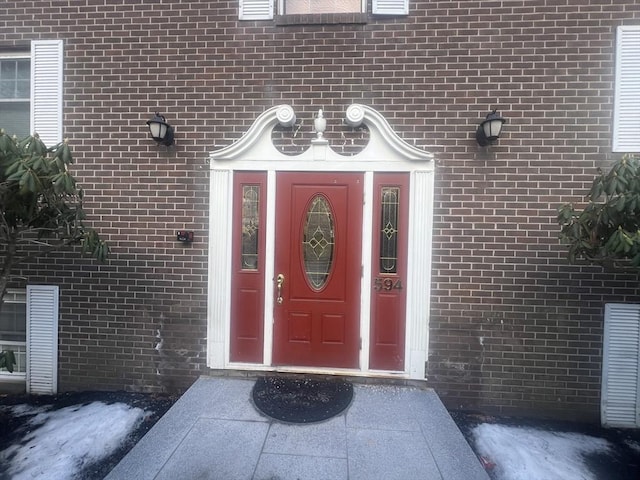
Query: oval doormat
pixel 301 400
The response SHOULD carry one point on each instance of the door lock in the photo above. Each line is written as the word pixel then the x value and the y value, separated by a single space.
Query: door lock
pixel 279 282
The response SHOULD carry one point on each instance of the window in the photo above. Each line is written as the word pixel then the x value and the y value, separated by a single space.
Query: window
pixel 389 216
pixel 301 7
pixel 265 9
pixel 626 114
pixel 29 327
pixel 250 227
pixel 31 92
pixel 13 329
pixel 15 91
pixel 318 242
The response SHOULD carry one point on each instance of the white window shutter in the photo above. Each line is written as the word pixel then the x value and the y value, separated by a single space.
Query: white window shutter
pixel 620 396
pixel 42 339
pixel 46 90
pixel 390 7
pixel 256 9
pixel 626 109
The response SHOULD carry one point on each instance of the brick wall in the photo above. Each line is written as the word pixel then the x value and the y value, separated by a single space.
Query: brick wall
pixel 513 326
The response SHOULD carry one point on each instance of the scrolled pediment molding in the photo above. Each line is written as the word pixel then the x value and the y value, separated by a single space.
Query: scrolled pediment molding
pixel 384 144
pixel 258 138
pixel 382 136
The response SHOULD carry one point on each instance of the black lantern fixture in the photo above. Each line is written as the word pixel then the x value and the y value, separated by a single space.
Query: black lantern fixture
pixel 489 129
pixel 160 130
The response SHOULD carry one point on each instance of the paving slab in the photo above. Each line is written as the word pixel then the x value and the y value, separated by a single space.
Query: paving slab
pixel 300 467
pixel 325 439
pixel 217 449
pixel 380 407
pixel 454 456
pixel 214 432
pixel 390 455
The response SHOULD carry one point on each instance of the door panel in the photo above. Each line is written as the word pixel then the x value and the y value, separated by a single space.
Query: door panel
pixel 318 251
pixel 389 271
pixel 247 274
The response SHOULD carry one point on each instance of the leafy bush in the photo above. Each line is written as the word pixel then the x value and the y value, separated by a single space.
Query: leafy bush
pixel 41 204
pixel 607 230
pixel 7 360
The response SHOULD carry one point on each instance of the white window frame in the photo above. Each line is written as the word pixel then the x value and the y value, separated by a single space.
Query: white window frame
pixel 265 9
pixel 281 6
pixel 39 351
pixel 15 295
pixel 46 96
pixel 626 108
pixel 23 55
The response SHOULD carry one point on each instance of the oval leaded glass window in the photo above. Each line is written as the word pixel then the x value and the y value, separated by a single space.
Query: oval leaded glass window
pixel 318 242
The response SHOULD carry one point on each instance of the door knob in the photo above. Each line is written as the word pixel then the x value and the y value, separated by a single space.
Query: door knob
pixel 279 283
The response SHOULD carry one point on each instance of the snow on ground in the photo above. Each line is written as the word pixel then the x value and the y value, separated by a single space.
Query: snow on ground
pixel 60 443
pixel 522 453
pixel 635 446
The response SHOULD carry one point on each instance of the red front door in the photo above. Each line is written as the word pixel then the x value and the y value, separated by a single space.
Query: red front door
pixel 317 269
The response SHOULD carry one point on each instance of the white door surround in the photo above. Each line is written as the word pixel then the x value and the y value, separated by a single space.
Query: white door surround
pixel 385 152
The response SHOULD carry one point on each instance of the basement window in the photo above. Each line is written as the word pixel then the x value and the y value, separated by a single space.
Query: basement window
pixel 13 330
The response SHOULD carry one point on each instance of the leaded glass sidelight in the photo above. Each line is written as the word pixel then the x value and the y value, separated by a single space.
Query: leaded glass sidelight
pixel 318 242
pixel 390 197
pixel 250 225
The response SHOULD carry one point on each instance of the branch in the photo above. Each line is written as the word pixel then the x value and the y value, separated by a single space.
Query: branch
pixel 47 247
pixel 620 264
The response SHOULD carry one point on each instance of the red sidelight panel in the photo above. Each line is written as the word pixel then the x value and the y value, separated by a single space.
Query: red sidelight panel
pixel 247 272
pixel 389 271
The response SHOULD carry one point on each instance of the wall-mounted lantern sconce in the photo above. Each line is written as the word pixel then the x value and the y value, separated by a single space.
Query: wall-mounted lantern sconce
pixel 489 129
pixel 160 130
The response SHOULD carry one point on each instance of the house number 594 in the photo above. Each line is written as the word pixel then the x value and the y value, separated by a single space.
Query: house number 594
pixel 387 284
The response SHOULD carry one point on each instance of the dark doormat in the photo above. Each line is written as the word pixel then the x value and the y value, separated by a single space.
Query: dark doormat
pixel 301 400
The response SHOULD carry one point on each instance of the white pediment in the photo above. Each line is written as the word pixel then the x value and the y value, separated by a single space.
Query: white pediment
pixel 385 150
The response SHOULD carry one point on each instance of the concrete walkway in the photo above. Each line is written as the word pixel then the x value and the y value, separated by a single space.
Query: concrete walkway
pixel 214 432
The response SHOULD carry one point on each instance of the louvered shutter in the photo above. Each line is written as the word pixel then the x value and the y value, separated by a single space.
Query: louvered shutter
pixel 42 339
pixel 621 366
pixel 390 7
pixel 46 90
pixel 256 9
pixel 626 112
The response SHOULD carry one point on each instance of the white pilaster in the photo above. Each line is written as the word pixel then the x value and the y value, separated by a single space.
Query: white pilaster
pixel 419 274
pixel 219 267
